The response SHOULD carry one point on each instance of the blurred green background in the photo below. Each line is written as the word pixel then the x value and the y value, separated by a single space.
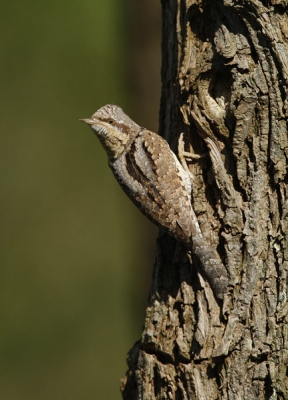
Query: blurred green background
pixel 76 254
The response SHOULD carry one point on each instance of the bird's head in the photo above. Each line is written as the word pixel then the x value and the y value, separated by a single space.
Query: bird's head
pixel 114 129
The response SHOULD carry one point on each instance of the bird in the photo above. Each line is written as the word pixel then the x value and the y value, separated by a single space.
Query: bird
pixel 151 175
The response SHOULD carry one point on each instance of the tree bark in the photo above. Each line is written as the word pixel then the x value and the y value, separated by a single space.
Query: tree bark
pixel 224 84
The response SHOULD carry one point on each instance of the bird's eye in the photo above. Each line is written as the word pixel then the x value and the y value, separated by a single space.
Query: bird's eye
pixel 110 121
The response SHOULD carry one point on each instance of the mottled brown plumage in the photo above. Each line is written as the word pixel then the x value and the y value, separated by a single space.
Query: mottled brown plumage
pixel 154 184
pixel 153 178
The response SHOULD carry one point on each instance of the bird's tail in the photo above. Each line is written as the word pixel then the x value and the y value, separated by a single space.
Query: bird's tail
pixel 211 265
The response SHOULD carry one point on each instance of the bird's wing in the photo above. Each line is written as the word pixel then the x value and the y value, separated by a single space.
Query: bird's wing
pixel 150 176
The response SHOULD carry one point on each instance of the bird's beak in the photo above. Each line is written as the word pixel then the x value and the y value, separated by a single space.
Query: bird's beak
pixel 88 121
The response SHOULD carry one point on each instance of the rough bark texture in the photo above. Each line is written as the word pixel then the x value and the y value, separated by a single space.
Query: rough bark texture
pixel 225 84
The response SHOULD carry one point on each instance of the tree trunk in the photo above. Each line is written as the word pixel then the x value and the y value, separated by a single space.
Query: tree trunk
pixel 225 81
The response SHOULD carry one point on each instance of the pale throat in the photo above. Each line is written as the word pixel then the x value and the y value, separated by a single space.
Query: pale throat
pixel 113 140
